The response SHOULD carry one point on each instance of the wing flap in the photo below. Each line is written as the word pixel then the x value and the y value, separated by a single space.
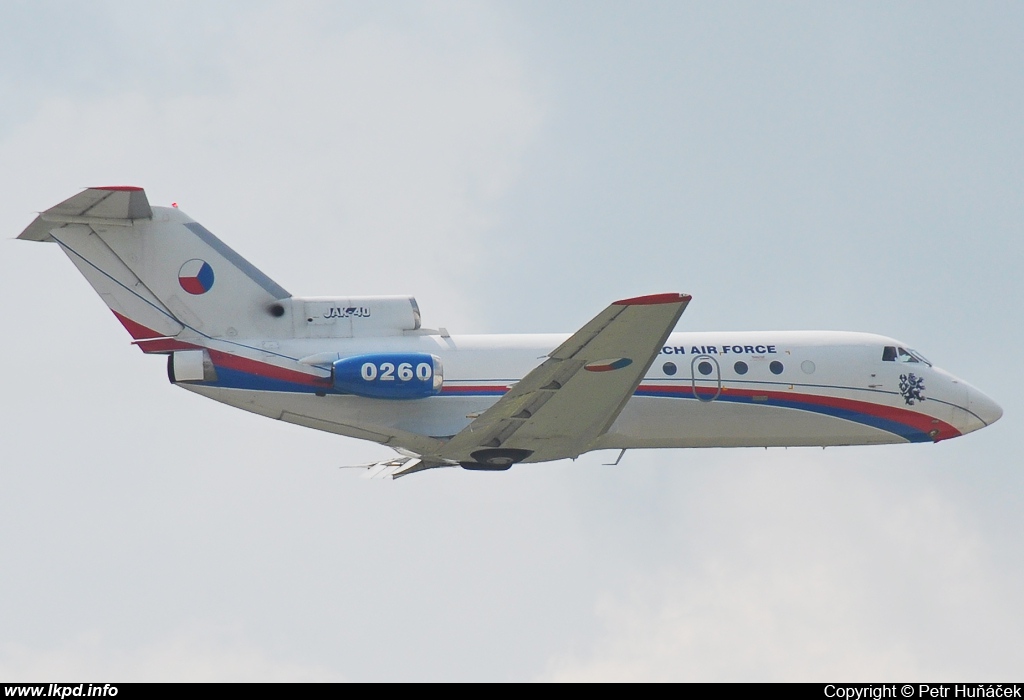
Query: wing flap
pixel 398 467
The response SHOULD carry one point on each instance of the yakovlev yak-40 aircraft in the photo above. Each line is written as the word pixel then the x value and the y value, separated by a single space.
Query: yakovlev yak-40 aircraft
pixel 363 366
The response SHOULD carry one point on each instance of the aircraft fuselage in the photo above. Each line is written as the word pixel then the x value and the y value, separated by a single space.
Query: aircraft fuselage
pixel 705 389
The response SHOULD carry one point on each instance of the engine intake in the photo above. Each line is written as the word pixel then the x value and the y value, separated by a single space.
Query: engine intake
pixel 190 366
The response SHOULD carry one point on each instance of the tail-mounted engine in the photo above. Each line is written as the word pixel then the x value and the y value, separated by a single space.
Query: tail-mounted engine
pixel 190 366
pixel 414 375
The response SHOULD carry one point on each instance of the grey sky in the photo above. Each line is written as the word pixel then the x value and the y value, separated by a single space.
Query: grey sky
pixel 516 167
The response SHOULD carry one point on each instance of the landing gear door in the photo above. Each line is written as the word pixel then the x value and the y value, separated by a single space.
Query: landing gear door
pixel 706 375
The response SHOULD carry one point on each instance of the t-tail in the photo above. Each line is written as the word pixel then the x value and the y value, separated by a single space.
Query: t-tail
pixel 177 288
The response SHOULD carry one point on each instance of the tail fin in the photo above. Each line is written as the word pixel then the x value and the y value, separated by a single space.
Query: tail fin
pixel 161 273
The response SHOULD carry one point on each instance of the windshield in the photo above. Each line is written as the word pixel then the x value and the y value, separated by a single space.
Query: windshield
pixel 893 353
pixel 918 356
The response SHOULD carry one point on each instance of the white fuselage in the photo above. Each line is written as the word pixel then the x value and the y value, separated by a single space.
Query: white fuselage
pixel 707 389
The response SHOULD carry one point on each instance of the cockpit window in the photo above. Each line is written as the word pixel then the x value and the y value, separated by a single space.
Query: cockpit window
pixel 919 356
pixel 891 353
pixel 904 356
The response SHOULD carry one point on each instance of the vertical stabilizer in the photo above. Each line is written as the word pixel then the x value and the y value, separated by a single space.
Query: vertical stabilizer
pixel 162 274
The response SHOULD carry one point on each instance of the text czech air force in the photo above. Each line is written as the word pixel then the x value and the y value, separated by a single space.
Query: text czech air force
pixel 719 350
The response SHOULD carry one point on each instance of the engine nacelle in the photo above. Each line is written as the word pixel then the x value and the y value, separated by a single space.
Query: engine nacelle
pixel 413 375
pixel 190 366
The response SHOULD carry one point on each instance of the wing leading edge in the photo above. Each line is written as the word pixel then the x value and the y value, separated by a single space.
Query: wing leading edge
pixel 573 397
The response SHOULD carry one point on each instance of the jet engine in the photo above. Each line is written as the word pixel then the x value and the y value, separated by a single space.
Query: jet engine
pixel 414 375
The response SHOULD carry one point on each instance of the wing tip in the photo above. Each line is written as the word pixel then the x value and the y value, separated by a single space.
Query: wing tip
pixel 651 299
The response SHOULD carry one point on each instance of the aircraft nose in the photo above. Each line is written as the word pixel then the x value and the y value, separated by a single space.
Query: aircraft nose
pixel 987 410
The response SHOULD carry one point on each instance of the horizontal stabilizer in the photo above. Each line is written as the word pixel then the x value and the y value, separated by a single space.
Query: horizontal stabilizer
pixel 110 206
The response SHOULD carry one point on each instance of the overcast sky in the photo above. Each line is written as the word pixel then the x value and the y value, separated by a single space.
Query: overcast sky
pixel 516 166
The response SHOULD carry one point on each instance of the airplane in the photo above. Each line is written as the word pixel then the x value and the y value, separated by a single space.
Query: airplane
pixel 364 367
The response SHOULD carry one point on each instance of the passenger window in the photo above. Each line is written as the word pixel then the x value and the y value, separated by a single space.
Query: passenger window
pixel 740 367
pixel 669 368
pixel 889 353
pixel 776 367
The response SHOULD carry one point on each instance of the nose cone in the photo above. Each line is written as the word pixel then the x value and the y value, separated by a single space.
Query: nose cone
pixel 984 408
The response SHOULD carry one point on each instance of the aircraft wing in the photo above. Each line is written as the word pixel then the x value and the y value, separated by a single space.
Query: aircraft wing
pixel 575 395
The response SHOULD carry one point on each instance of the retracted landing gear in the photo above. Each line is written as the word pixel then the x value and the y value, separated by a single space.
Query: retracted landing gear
pixel 495 459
